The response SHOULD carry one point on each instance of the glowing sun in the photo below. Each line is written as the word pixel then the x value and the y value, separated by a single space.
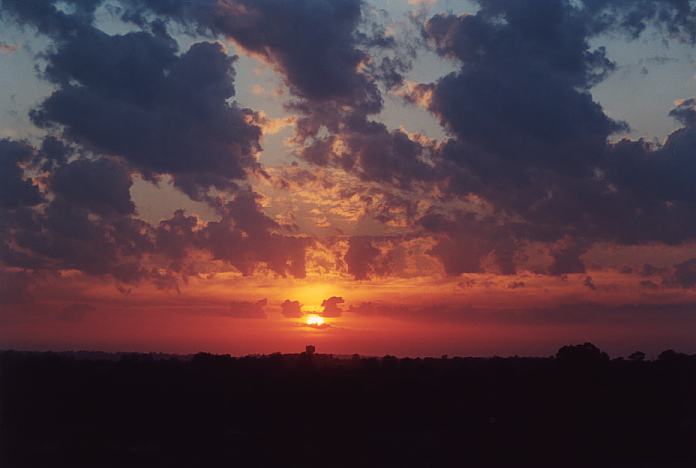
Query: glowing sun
pixel 314 320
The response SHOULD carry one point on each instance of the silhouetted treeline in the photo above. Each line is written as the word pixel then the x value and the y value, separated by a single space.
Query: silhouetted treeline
pixel 577 409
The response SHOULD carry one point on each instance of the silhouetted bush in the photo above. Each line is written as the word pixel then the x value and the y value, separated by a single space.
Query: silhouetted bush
pixel 579 409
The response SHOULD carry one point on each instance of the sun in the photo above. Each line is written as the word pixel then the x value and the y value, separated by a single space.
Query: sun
pixel 314 320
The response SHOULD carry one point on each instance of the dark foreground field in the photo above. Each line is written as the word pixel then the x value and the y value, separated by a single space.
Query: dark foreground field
pixel 579 409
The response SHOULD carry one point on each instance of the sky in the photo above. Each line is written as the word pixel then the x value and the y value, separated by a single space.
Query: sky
pixel 407 177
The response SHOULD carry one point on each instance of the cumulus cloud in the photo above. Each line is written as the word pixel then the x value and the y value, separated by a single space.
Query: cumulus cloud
pixel 360 257
pixel 318 46
pixel 101 185
pixel 126 104
pixel 332 306
pixel 525 138
pixel 150 117
pixel 291 309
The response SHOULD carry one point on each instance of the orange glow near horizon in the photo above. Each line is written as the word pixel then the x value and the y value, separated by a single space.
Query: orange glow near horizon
pixel 314 320
pixel 312 295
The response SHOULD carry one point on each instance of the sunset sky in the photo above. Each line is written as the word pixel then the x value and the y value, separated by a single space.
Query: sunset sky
pixel 408 177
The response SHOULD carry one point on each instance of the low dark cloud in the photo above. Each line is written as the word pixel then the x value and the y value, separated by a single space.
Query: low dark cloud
pixel 684 275
pixel 465 240
pixel 291 309
pixel 360 257
pixel 332 306
pixel 589 283
pixel 582 313
pixel 247 310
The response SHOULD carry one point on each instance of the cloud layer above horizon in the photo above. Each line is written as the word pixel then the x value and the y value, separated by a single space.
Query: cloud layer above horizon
pixel 342 142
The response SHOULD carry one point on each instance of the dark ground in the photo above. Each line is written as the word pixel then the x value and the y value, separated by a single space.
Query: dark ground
pixel 579 409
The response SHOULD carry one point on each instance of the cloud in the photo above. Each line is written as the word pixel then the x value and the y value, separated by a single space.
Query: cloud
pixel 566 257
pixel 99 185
pixel 565 314
pixel 360 257
pixel 464 240
pixel 127 104
pixel 684 275
pixel 332 306
pixel 528 138
pixel 315 44
pixel 6 48
pixel 588 283
pixel 530 157
pixel 291 309
pixel 141 107
pixel 685 112
pixel 247 310
pixel 15 189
